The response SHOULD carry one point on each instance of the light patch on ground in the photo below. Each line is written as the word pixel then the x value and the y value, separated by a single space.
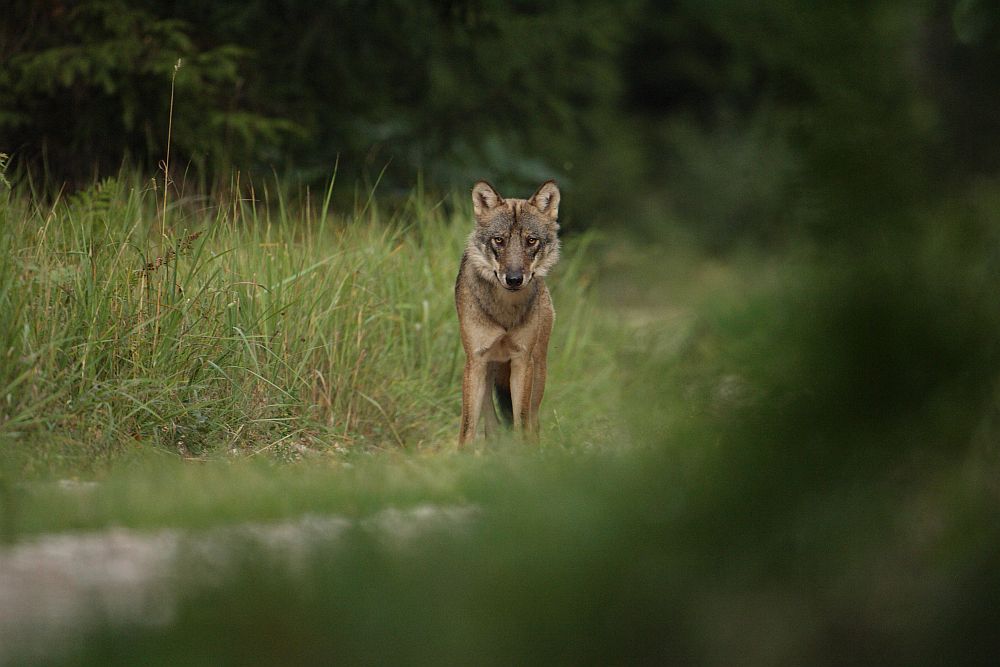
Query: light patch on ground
pixel 55 587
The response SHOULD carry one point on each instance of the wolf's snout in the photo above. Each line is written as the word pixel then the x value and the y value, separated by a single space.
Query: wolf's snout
pixel 514 278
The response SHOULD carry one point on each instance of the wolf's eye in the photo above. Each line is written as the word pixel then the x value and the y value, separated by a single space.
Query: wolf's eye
pixel 498 240
pixel 531 240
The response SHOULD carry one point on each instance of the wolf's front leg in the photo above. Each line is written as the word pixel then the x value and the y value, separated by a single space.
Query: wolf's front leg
pixel 489 413
pixel 538 373
pixel 520 389
pixel 473 390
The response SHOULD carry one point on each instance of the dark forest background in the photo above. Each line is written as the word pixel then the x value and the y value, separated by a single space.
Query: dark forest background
pixel 736 119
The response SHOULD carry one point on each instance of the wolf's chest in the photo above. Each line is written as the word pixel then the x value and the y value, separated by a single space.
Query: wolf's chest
pixel 504 348
pixel 509 310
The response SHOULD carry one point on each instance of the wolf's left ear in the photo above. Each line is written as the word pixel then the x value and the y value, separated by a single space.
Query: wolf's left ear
pixel 546 199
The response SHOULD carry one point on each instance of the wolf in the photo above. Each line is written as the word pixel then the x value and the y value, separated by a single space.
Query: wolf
pixel 505 312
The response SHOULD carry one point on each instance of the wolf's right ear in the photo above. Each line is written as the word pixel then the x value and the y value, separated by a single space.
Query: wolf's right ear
pixel 546 199
pixel 484 198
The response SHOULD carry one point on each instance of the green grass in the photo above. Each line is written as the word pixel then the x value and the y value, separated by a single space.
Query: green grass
pixel 184 368
pixel 251 326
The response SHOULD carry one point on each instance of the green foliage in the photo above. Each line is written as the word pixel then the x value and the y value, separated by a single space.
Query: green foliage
pixel 92 80
pixel 458 90
pixel 517 92
pixel 643 110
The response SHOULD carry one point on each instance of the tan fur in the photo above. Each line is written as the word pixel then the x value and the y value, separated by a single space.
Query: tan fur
pixel 505 312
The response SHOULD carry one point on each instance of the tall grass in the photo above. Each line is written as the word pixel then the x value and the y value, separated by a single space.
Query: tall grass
pixel 257 323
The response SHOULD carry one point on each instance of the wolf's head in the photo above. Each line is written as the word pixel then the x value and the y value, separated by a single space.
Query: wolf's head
pixel 515 239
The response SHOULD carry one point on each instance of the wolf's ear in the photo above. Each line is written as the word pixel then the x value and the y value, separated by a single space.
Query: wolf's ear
pixel 546 199
pixel 484 198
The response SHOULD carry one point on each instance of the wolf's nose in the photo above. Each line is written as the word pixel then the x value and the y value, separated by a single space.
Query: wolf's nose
pixel 514 278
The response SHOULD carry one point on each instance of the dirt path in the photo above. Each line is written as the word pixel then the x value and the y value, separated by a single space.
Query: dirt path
pixel 55 587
